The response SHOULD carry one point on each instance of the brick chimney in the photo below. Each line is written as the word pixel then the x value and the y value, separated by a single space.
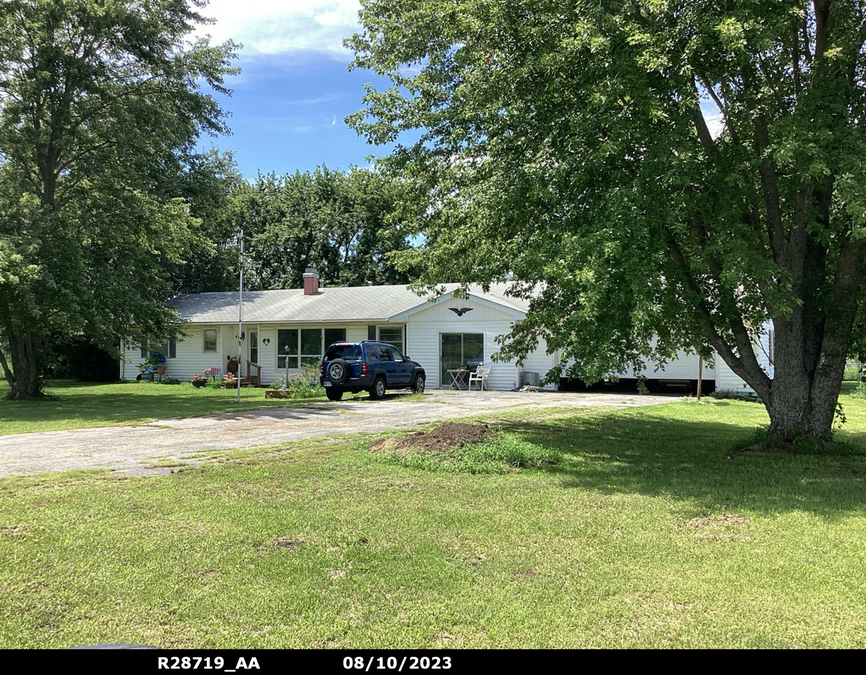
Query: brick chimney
pixel 311 281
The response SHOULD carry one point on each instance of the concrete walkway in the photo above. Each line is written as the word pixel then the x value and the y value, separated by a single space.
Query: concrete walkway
pixel 131 449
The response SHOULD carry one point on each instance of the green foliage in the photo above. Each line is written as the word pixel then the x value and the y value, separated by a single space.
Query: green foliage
pixel 565 147
pixel 344 224
pixel 301 385
pixel 736 395
pixel 852 373
pixel 101 106
pixel 504 453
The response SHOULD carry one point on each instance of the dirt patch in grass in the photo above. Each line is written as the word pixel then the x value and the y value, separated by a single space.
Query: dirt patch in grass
pixel 722 520
pixel 725 527
pixel 291 544
pixel 445 437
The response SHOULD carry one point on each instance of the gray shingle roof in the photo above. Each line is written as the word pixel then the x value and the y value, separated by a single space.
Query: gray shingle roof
pixel 343 304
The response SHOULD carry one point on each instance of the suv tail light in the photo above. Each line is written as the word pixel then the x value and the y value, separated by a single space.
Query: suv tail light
pixel 363 368
pixel 322 368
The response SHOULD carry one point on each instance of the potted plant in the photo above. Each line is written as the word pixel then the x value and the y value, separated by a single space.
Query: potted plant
pixel 232 366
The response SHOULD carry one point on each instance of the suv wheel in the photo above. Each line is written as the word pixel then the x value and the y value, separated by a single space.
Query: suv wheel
pixel 338 371
pixel 334 394
pixel 378 390
pixel 419 384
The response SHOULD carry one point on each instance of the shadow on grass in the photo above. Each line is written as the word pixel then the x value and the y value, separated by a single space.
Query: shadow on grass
pixel 71 404
pixel 690 453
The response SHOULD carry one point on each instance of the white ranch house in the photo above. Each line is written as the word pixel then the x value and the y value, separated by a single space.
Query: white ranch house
pixel 440 335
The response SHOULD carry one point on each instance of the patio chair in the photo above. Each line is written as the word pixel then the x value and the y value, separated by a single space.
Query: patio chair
pixel 480 376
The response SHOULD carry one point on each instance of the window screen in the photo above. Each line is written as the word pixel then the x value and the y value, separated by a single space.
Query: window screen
pixel 210 339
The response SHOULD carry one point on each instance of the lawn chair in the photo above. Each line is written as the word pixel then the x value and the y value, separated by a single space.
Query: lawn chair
pixel 480 376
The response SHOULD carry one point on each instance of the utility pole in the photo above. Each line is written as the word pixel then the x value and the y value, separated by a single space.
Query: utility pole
pixel 241 317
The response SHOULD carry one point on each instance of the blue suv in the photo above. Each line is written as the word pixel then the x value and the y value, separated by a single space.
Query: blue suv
pixel 368 366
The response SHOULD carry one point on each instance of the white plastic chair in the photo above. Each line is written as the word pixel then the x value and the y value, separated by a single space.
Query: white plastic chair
pixel 480 375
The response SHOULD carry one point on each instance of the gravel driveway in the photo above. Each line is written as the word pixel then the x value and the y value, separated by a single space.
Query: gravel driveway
pixel 130 449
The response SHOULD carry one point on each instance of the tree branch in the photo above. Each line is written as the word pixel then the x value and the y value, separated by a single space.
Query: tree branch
pixel 746 364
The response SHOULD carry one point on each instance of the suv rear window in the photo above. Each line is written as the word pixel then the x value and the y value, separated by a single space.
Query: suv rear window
pixel 348 352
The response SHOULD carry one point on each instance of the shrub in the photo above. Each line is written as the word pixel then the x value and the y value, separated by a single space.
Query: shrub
pixel 502 454
pixel 736 395
pixel 301 385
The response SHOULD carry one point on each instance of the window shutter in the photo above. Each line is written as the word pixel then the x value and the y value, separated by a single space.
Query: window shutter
pixel 371 332
pixel 172 349
pixel 144 353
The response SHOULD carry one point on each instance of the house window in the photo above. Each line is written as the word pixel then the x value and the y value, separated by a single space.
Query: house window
pixel 287 348
pixel 311 346
pixel 254 346
pixel 333 335
pixel 167 349
pixel 210 339
pixel 393 335
pixel 306 345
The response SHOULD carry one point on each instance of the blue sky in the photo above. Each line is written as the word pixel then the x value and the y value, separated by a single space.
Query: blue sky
pixel 295 90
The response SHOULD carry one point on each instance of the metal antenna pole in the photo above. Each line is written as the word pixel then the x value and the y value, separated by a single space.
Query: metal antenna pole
pixel 241 318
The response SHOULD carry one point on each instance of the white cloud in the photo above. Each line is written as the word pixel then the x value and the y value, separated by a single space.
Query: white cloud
pixel 268 27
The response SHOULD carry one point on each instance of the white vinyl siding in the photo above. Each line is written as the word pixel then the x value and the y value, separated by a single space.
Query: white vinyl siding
pixel 683 367
pixel 190 358
pixel 424 331
pixel 540 362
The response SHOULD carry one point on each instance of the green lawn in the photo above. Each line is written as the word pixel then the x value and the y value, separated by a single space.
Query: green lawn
pixel 75 405
pixel 650 533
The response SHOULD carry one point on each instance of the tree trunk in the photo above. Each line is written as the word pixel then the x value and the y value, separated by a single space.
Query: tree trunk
pixel 797 413
pixel 25 375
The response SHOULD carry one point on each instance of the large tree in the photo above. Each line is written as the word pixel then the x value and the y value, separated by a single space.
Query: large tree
pixel 574 146
pixel 343 223
pixel 210 184
pixel 101 105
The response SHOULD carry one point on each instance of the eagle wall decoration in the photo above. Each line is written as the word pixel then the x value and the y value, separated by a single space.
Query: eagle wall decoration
pixel 461 311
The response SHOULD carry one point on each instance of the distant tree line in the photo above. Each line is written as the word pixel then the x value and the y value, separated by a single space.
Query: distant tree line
pixel 345 224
